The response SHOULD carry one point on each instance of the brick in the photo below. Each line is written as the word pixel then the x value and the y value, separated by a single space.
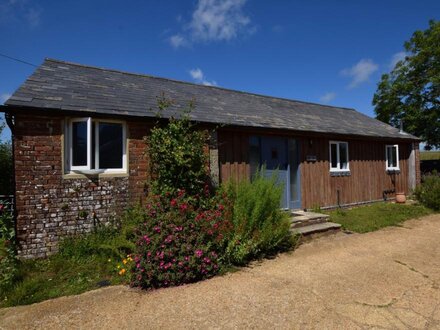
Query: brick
pixel 42 192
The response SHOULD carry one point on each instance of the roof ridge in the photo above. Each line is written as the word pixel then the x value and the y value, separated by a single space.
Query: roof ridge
pixel 194 84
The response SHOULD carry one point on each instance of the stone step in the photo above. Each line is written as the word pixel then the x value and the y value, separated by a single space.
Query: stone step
pixel 297 222
pixel 317 228
pixel 301 218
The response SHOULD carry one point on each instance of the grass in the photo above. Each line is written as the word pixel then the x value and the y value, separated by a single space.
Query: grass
pixel 83 263
pixel 54 277
pixel 376 216
pixel 430 155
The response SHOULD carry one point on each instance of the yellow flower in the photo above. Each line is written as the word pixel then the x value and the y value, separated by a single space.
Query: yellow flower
pixel 109 260
pixel 122 271
pixel 119 266
pixel 124 261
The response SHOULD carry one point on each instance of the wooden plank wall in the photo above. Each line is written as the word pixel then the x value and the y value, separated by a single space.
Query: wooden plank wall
pixel 367 181
pixel 368 178
pixel 233 149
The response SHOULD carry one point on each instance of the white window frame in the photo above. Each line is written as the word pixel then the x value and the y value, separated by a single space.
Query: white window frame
pixel 338 167
pixel 89 144
pixel 88 168
pixel 392 168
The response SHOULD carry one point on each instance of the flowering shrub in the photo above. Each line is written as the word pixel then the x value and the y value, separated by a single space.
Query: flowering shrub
pixel 178 241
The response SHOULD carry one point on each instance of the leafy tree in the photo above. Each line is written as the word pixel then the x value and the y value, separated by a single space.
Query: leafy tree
pixel 5 165
pixel 411 91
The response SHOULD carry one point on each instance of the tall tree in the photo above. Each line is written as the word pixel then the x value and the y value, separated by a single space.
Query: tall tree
pixel 411 91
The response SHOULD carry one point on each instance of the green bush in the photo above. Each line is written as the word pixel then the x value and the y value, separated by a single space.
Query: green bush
pixel 428 192
pixel 8 258
pixel 260 227
pixel 6 165
pixel 177 157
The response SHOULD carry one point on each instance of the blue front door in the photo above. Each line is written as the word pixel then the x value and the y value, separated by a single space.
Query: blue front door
pixel 275 157
pixel 280 155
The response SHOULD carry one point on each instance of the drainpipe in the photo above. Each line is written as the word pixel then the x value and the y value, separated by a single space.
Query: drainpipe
pixel 10 121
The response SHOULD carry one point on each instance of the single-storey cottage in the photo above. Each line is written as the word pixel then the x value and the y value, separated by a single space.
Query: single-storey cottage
pixel 79 151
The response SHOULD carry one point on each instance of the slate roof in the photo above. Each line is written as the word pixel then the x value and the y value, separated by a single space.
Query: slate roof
pixel 73 87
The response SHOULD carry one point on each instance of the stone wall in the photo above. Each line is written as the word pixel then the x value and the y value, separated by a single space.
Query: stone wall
pixel 51 205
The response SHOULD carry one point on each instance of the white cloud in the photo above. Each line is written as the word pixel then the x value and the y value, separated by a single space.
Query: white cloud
pixel 396 58
pixel 360 72
pixel 177 41
pixel 327 97
pixel 4 97
pixel 19 11
pixel 214 20
pixel 199 77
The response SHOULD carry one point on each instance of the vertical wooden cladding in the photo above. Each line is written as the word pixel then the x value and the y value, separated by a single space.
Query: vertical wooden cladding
pixel 368 177
pixel 233 155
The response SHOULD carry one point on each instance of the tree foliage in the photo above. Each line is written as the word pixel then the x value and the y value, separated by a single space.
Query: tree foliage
pixel 5 165
pixel 411 91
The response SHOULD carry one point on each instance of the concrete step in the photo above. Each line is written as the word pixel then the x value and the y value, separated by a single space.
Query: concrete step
pixel 317 228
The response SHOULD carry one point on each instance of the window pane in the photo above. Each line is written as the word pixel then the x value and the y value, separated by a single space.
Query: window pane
pixel 79 143
pixel 389 156
pixel 334 155
pixel 343 155
pixel 394 158
pixel 254 154
pixel 110 145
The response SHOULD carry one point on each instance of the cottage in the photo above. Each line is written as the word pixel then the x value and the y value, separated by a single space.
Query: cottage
pixel 78 138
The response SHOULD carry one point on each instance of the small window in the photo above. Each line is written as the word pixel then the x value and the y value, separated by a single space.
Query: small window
pixel 339 156
pixel 392 157
pixel 95 145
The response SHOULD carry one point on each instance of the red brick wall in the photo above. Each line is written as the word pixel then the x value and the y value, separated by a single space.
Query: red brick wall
pixel 50 206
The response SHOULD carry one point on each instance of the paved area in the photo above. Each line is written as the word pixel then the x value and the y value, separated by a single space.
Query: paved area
pixel 386 279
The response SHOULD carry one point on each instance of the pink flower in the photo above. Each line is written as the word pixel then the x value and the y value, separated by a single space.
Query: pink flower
pixel 183 207
pixel 199 253
pixel 156 229
pixel 173 202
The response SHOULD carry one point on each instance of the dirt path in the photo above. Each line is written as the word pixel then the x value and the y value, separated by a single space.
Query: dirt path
pixel 385 279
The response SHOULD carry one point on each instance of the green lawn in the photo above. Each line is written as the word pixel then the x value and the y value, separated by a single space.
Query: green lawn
pixel 56 276
pixel 83 264
pixel 376 216
pixel 429 155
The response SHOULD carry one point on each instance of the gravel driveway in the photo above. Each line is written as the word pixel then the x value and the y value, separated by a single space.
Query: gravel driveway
pixel 386 279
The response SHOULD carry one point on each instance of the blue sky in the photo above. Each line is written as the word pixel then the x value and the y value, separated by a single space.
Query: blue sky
pixel 330 52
